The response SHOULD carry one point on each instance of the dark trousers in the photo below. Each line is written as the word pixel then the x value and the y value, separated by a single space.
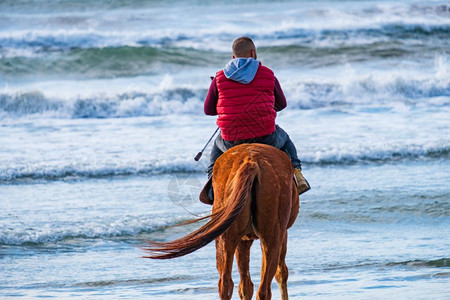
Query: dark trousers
pixel 279 139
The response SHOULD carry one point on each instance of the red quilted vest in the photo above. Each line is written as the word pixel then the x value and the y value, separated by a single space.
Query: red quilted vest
pixel 246 111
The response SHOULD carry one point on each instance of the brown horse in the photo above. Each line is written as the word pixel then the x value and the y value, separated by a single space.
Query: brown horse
pixel 254 197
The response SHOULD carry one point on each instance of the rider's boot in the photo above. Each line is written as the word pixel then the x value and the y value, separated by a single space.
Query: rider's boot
pixel 302 184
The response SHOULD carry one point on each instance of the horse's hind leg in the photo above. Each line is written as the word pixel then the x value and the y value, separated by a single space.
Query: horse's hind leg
pixel 282 271
pixel 243 262
pixel 224 262
pixel 270 256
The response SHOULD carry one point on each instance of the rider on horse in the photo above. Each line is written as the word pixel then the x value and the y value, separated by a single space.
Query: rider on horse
pixel 246 96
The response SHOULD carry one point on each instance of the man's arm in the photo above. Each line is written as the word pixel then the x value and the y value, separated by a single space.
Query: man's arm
pixel 280 99
pixel 210 106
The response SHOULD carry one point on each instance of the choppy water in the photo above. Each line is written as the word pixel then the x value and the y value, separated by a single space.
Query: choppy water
pixel 101 114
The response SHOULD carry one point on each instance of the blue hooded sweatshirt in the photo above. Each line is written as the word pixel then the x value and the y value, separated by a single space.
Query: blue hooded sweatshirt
pixel 241 69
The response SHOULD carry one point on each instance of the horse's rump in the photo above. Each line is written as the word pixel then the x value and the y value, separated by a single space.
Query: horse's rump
pixel 273 192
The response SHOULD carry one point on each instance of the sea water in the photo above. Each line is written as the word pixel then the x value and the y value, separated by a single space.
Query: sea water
pixel 101 115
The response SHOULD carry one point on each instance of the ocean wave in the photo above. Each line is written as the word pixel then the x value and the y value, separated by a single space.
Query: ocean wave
pixel 128 104
pixel 378 154
pixel 419 263
pixel 39 42
pixel 34 33
pixel 139 47
pixel 123 228
pixel 130 61
pixel 375 39
pixel 25 173
pixel 353 87
pixel 104 62
pixel 333 156
pixel 168 97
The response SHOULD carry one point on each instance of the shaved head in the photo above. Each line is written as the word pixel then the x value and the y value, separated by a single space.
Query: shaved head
pixel 243 46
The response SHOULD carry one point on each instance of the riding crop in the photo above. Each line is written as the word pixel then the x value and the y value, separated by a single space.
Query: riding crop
pixel 197 157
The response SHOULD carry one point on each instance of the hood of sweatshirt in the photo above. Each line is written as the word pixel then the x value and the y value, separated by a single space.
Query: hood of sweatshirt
pixel 241 69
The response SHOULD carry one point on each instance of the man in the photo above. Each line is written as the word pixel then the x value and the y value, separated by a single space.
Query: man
pixel 246 96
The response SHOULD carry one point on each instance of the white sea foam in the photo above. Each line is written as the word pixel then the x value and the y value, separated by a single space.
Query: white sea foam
pixel 50 232
pixel 172 94
pixel 132 164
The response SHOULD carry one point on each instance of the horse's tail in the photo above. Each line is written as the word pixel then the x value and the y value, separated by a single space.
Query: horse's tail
pixel 219 221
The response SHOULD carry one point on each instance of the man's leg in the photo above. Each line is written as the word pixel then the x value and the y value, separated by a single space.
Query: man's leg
pixel 219 147
pixel 302 183
pixel 281 140
pixel 215 154
pixel 289 148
